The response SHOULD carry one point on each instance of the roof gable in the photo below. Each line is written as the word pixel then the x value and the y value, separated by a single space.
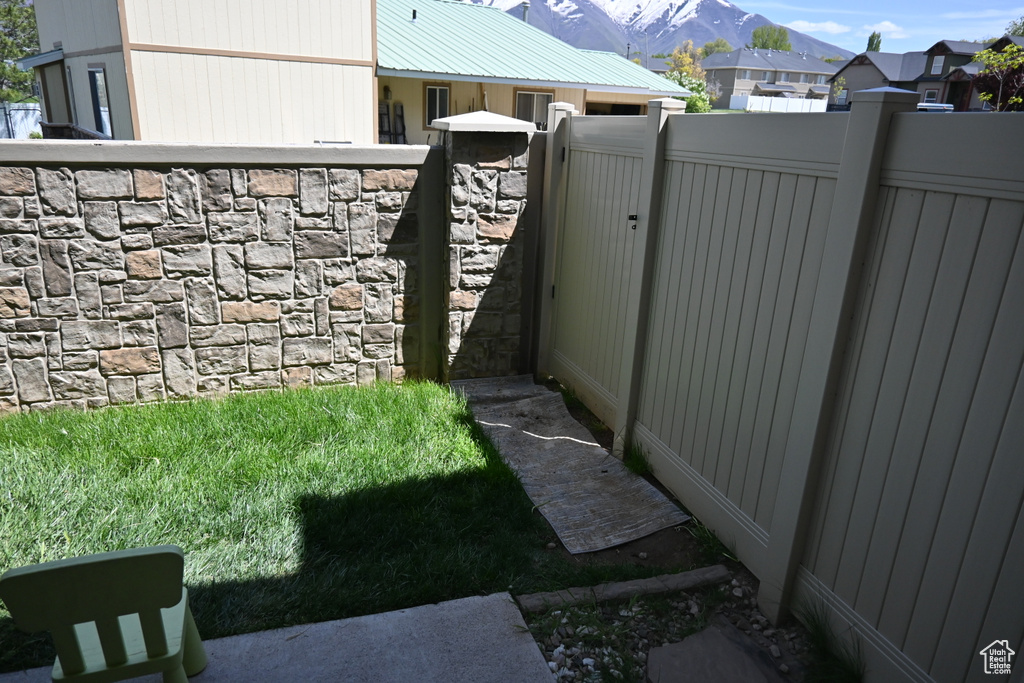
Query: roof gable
pixel 894 67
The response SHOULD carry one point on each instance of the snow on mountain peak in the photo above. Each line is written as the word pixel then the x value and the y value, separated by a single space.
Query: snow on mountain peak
pixel 637 15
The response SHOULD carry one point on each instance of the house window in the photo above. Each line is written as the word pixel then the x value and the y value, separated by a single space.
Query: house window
pixel 804 78
pixel 745 75
pixel 821 80
pixel 843 94
pixel 533 107
pixel 937 63
pixel 784 77
pixel 100 100
pixel 437 103
pixel 766 76
pixel 931 96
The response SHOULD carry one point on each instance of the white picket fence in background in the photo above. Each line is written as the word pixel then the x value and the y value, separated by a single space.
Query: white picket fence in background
pixel 776 104
pixel 19 119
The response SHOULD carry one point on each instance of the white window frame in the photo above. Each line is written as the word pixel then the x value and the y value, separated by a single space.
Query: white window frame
pixel 841 98
pixel 937 63
pixel 804 78
pixel 539 98
pixel 745 75
pixel 821 80
pixel 783 77
pixel 766 76
pixel 931 96
pixel 439 111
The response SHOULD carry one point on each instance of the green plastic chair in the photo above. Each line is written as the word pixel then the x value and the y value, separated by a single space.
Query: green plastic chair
pixel 112 616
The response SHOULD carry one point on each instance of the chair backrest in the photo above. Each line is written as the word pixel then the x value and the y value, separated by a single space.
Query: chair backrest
pixel 55 596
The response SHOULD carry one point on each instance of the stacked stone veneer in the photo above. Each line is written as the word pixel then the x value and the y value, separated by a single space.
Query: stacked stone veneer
pixel 487 199
pixel 138 284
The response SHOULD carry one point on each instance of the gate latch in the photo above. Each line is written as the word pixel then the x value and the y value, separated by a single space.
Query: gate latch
pixel 632 219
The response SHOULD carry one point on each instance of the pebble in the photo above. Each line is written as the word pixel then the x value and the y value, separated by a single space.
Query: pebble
pixel 551 546
pixel 738 592
pixel 643 556
pixel 776 652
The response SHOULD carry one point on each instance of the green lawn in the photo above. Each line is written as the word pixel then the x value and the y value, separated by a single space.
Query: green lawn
pixel 292 507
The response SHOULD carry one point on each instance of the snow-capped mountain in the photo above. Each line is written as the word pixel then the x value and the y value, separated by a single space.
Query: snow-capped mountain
pixel 651 26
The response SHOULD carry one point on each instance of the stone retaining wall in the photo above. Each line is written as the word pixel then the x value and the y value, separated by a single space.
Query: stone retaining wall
pixel 137 284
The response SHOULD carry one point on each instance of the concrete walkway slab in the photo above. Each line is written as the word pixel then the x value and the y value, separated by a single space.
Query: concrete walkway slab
pixel 472 639
pixel 718 654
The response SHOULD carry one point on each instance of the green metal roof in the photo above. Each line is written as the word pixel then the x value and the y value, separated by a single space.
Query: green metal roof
pixel 464 42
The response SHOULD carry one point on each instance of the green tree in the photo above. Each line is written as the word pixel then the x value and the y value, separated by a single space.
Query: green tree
pixel 770 37
pixel 838 86
pixel 18 37
pixel 875 42
pixel 685 59
pixel 717 45
pixel 700 101
pixel 1001 79
pixel 1016 27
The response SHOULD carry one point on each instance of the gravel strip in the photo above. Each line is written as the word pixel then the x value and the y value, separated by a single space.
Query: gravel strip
pixel 609 640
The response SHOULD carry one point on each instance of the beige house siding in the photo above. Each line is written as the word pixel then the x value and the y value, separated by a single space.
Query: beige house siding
pixel 335 29
pixel 463 97
pixel 467 96
pixel 205 98
pixel 227 71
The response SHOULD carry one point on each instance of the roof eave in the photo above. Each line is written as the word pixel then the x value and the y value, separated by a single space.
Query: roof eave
pixel 596 87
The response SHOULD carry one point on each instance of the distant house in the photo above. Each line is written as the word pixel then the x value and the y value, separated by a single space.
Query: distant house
pixel 944 58
pixel 192 70
pixel 770 73
pixel 942 74
pixel 438 58
pixel 879 69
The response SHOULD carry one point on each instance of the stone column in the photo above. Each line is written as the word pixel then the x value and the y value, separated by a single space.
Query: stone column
pixel 486 163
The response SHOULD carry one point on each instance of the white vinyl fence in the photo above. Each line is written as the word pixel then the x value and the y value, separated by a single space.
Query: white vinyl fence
pixel 814 327
pixel 780 105
pixel 17 121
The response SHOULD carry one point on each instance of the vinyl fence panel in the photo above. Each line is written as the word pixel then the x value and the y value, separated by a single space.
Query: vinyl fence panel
pixel 832 367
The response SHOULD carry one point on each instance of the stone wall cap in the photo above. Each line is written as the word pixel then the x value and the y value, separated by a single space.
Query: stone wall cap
pixel 483 122
pixel 219 155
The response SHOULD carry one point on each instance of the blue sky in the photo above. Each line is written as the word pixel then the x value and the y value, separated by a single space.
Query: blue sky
pixel 905 25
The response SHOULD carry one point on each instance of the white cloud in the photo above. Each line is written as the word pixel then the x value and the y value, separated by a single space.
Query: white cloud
pixel 817 27
pixel 888 30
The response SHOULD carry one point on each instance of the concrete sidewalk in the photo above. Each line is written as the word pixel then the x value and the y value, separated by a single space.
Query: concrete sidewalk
pixel 473 639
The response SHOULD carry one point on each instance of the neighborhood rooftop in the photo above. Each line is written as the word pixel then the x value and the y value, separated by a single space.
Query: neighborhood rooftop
pixel 458 41
pixel 897 67
pixel 768 59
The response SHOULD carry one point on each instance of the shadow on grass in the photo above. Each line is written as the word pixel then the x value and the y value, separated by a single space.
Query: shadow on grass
pixel 418 541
